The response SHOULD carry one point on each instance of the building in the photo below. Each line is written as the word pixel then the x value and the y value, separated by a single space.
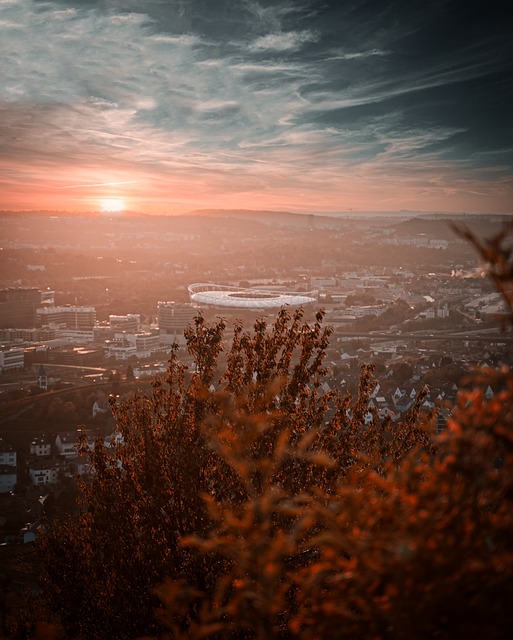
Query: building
pixel 41 446
pixel 42 379
pixel 7 454
pixel 255 299
pixel 8 478
pixel 126 345
pixel 101 405
pixel 174 318
pixel 18 307
pixel 67 443
pixel 75 336
pixel 8 461
pixel 69 317
pixel 150 370
pixel 11 358
pixel 120 349
pixel 18 335
pixel 47 471
pixel 146 343
pixel 129 323
pixel 361 311
pixel 44 472
pixel 76 356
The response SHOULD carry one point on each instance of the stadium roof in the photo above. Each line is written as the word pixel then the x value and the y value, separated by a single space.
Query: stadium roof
pixel 219 295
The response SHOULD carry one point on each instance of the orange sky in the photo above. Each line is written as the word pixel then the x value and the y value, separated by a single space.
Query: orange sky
pixel 84 189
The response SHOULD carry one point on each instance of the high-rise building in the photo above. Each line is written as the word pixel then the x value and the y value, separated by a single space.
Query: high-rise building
pixel 18 307
pixel 174 318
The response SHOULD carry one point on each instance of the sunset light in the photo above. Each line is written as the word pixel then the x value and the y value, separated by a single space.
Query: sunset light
pixel 112 205
pixel 321 107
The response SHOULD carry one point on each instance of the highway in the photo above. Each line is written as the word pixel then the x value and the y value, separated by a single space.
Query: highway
pixel 452 336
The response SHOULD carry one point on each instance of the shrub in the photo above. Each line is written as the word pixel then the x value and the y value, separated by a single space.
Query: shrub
pixel 244 502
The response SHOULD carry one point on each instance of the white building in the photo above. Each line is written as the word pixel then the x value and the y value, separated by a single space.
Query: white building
pixel 44 472
pixel 120 349
pixel 8 456
pixel 174 318
pixel 67 443
pixel 100 405
pixel 150 370
pixel 146 343
pixel 8 475
pixel 75 336
pixel 68 317
pixel 11 358
pixel 41 446
pixel 8 478
pixel 126 345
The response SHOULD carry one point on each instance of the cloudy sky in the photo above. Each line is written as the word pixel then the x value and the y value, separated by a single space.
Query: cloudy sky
pixel 166 106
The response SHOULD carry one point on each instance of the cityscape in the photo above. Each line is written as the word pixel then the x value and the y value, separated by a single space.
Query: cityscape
pixel 79 313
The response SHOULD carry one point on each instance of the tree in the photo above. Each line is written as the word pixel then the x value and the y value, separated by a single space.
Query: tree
pixel 402 372
pixel 145 499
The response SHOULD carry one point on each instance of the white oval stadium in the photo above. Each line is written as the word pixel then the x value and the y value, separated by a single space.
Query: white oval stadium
pixel 218 295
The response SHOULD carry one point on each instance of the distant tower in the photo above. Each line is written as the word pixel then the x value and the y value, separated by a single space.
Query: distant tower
pixel 42 379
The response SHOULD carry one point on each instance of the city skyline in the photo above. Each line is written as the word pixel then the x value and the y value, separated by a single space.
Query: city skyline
pixel 167 107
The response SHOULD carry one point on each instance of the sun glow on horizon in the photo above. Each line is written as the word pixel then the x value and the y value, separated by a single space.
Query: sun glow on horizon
pixel 112 205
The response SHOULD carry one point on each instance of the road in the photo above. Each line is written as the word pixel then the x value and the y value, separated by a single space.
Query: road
pixel 479 335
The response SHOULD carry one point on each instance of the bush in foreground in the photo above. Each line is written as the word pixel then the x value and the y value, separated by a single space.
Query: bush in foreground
pixel 247 503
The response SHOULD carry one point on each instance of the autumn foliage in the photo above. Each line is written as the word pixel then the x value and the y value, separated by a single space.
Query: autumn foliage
pixel 243 501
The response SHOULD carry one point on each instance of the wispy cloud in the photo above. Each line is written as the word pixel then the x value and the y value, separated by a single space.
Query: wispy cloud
pixel 282 99
pixel 282 41
pixel 355 55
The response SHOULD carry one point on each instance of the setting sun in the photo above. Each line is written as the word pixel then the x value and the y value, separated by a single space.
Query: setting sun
pixel 111 205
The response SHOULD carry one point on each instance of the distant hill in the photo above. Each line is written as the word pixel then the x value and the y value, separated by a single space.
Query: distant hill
pixel 250 214
pixel 440 226
pixel 283 218
pixel 412 220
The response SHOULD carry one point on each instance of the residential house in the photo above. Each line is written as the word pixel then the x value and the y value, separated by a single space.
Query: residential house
pixel 8 473
pixel 7 454
pixel 49 471
pixel 8 478
pixel 68 442
pixel 41 446
pixel 101 405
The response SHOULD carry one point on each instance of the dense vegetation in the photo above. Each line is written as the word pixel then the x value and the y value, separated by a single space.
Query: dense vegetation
pixel 245 502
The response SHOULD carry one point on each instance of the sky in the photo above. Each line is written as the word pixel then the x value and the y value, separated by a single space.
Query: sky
pixel 168 106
